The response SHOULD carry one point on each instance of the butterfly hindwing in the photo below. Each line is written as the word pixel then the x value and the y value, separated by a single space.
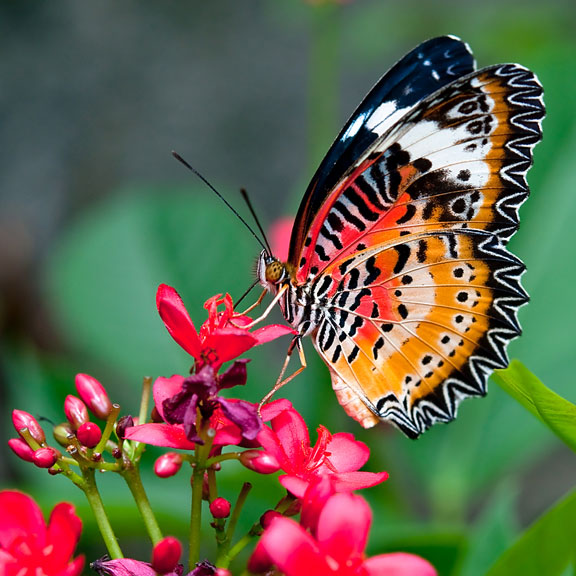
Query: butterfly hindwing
pixel 415 325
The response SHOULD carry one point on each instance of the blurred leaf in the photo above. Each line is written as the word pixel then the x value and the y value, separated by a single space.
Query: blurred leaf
pixel 492 533
pixel 104 274
pixel 553 410
pixel 546 547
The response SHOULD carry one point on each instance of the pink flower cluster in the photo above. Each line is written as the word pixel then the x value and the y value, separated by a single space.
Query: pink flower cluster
pixel 191 413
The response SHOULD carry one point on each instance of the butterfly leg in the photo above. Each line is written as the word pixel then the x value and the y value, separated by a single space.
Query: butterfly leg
pixel 281 381
pixel 255 305
pixel 268 308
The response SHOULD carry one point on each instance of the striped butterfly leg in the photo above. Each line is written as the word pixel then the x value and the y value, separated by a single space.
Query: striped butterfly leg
pixel 281 381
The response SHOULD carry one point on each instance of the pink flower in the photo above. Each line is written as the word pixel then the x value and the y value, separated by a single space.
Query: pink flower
pixel 335 548
pixel 29 547
pixel 222 337
pixel 174 435
pixel 337 455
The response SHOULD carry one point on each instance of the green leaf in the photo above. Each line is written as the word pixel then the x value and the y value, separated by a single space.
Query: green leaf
pixel 491 534
pixel 553 410
pixel 546 547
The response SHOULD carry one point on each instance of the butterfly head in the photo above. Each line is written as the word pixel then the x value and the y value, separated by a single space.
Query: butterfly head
pixel 271 271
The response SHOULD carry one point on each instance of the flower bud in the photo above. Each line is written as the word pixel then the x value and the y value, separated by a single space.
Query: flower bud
pixel 123 424
pixel 220 508
pixel 89 434
pixel 76 411
pixel 94 395
pixel 46 457
pixel 259 461
pixel 267 517
pixel 22 419
pixel 62 434
pixel 222 572
pixel 168 465
pixel 21 449
pixel 166 555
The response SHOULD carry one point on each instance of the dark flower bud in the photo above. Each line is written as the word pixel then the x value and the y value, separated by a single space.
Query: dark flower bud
pixel 123 424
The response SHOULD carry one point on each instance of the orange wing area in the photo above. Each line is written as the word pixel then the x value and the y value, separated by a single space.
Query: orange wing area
pixel 423 294
pixel 412 327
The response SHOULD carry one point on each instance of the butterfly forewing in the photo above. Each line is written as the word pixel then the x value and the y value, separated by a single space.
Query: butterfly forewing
pixel 404 260
pixel 431 65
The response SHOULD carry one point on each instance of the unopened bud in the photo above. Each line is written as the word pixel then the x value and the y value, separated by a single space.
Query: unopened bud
pixel 222 572
pixel 123 424
pixel 94 395
pixel 267 517
pixel 89 435
pixel 21 449
pixel 166 555
pixel 259 461
pixel 76 411
pixel 46 457
pixel 22 419
pixel 168 465
pixel 220 508
pixel 63 433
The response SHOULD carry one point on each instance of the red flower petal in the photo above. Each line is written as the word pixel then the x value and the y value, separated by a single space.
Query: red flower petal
pixel 165 388
pixel 64 529
pixel 292 440
pixel 343 527
pixel 288 546
pixel 272 409
pixel 350 481
pixel 295 485
pixel 166 435
pixel 229 343
pixel 271 332
pixel 20 517
pixel 347 454
pixel 398 564
pixel 177 321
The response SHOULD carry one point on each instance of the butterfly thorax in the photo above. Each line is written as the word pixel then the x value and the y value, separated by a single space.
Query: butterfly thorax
pixel 298 304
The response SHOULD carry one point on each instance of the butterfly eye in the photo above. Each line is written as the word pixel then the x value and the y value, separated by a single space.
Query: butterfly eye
pixel 275 272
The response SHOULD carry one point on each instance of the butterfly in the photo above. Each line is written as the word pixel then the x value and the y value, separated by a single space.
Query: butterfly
pixel 398 267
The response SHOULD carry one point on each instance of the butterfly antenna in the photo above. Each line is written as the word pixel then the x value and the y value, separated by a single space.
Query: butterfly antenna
pixel 254 284
pixel 252 211
pixel 251 230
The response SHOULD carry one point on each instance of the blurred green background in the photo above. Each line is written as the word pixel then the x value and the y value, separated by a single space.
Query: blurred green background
pixel 94 214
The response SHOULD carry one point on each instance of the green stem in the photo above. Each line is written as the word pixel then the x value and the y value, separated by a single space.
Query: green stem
pixel 222 458
pixel 323 80
pixel 95 501
pixel 196 515
pixel 202 452
pixel 145 401
pixel 110 421
pixel 131 475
